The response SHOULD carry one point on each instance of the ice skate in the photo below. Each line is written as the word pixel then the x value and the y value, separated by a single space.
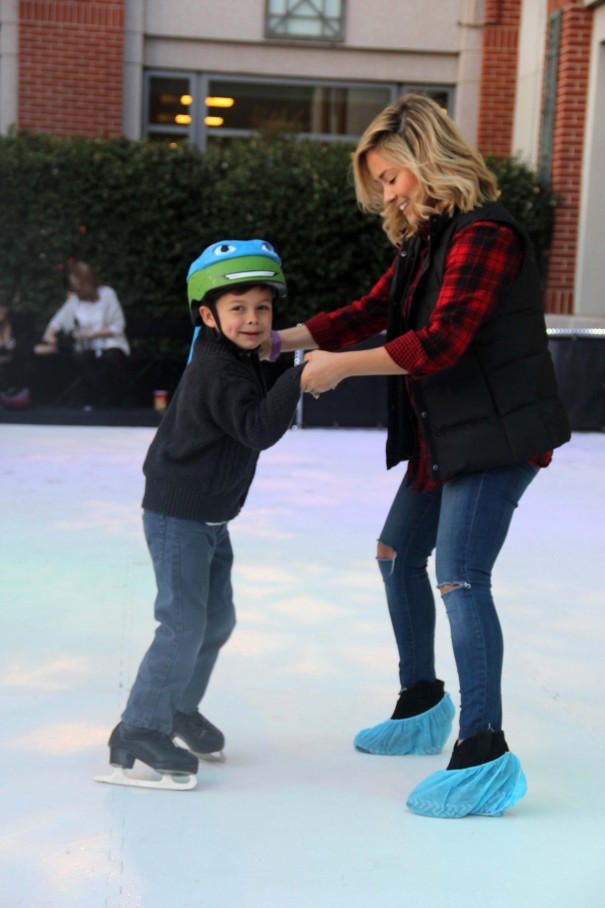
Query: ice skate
pixel 176 767
pixel 201 737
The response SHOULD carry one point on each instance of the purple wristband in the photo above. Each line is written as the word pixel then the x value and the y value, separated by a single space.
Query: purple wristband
pixel 275 346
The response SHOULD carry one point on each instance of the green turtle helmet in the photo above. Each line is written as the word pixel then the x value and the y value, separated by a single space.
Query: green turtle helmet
pixel 230 263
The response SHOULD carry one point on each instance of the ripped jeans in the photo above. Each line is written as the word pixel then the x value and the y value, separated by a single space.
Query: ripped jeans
pixel 466 521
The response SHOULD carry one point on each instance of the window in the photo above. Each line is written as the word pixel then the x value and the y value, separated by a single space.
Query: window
pixel 442 95
pixel 301 108
pixel 322 20
pixel 168 108
pixel 202 108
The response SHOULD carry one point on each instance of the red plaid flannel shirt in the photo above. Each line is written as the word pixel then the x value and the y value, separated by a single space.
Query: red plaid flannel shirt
pixel 481 264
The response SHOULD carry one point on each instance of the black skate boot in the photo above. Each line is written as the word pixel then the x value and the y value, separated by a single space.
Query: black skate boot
pixel 129 743
pixel 200 735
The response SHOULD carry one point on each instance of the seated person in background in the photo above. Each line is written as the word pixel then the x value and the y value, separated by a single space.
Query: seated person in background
pixel 93 320
pixel 12 395
pixel 7 341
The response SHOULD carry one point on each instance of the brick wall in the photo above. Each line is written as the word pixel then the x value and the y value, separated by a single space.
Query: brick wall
pixel 567 150
pixel 71 66
pixel 496 116
pixel 501 20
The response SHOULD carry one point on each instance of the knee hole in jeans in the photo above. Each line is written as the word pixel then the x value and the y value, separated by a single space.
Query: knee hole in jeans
pixel 385 552
pixel 386 557
pixel 445 588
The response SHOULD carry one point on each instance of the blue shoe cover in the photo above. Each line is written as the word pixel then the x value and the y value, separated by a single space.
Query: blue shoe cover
pixel 422 734
pixel 486 790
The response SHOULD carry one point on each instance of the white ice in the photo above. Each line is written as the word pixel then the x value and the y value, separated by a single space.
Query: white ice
pixel 295 818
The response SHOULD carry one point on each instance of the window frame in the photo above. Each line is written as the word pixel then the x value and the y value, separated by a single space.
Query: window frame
pixel 198 134
pixel 271 35
pixel 156 129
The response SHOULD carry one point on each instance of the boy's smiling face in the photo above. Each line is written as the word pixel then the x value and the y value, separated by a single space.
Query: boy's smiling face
pixel 245 318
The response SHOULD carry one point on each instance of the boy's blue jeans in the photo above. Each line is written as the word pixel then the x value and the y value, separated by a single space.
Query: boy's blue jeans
pixel 466 521
pixel 194 607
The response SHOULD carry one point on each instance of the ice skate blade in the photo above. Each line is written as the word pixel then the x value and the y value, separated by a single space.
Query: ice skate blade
pixel 167 781
pixel 217 757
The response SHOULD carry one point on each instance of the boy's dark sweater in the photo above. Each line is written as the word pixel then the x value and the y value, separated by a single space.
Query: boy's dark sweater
pixel 203 458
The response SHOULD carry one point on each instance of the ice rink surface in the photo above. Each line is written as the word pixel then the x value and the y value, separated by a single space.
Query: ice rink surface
pixel 294 818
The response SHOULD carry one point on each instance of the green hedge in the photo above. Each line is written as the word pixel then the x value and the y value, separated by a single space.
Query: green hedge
pixel 528 200
pixel 141 212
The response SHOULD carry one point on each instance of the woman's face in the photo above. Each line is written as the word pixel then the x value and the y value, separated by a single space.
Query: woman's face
pixel 398 184
pixel 81 284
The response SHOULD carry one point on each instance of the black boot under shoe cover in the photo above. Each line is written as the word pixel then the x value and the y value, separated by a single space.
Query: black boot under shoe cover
pixel 482 778
pixel 129 743
pixel 481 748
pixel 420 724
pixel 418 699
pixel 200 735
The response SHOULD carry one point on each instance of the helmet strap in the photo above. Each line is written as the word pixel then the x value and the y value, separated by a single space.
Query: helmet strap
pixel 212 306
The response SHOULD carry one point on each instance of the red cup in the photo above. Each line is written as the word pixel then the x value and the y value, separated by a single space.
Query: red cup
pixel 160 401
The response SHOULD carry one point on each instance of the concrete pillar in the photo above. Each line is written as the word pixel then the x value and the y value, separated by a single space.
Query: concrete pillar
pixel 9 63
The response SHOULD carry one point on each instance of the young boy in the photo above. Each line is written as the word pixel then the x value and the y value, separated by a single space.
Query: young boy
pixel 198 471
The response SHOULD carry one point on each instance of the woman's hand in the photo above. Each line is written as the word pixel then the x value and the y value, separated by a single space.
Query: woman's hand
pixel 48 344
pixel 88 334
pixel 45 347
pixel 323 371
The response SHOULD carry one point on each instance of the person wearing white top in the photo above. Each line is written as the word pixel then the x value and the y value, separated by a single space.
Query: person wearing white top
pixel 92 318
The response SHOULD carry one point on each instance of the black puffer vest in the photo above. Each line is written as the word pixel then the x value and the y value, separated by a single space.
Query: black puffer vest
pixel 498 404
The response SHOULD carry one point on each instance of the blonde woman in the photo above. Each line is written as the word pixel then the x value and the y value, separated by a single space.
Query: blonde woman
pixel 473 409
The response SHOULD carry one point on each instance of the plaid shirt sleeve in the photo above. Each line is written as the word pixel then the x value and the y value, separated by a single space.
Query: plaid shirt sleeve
pixel 482 262
pixel 363 318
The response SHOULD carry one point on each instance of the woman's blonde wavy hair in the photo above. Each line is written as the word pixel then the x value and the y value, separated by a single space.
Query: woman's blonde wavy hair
pixel 414 132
